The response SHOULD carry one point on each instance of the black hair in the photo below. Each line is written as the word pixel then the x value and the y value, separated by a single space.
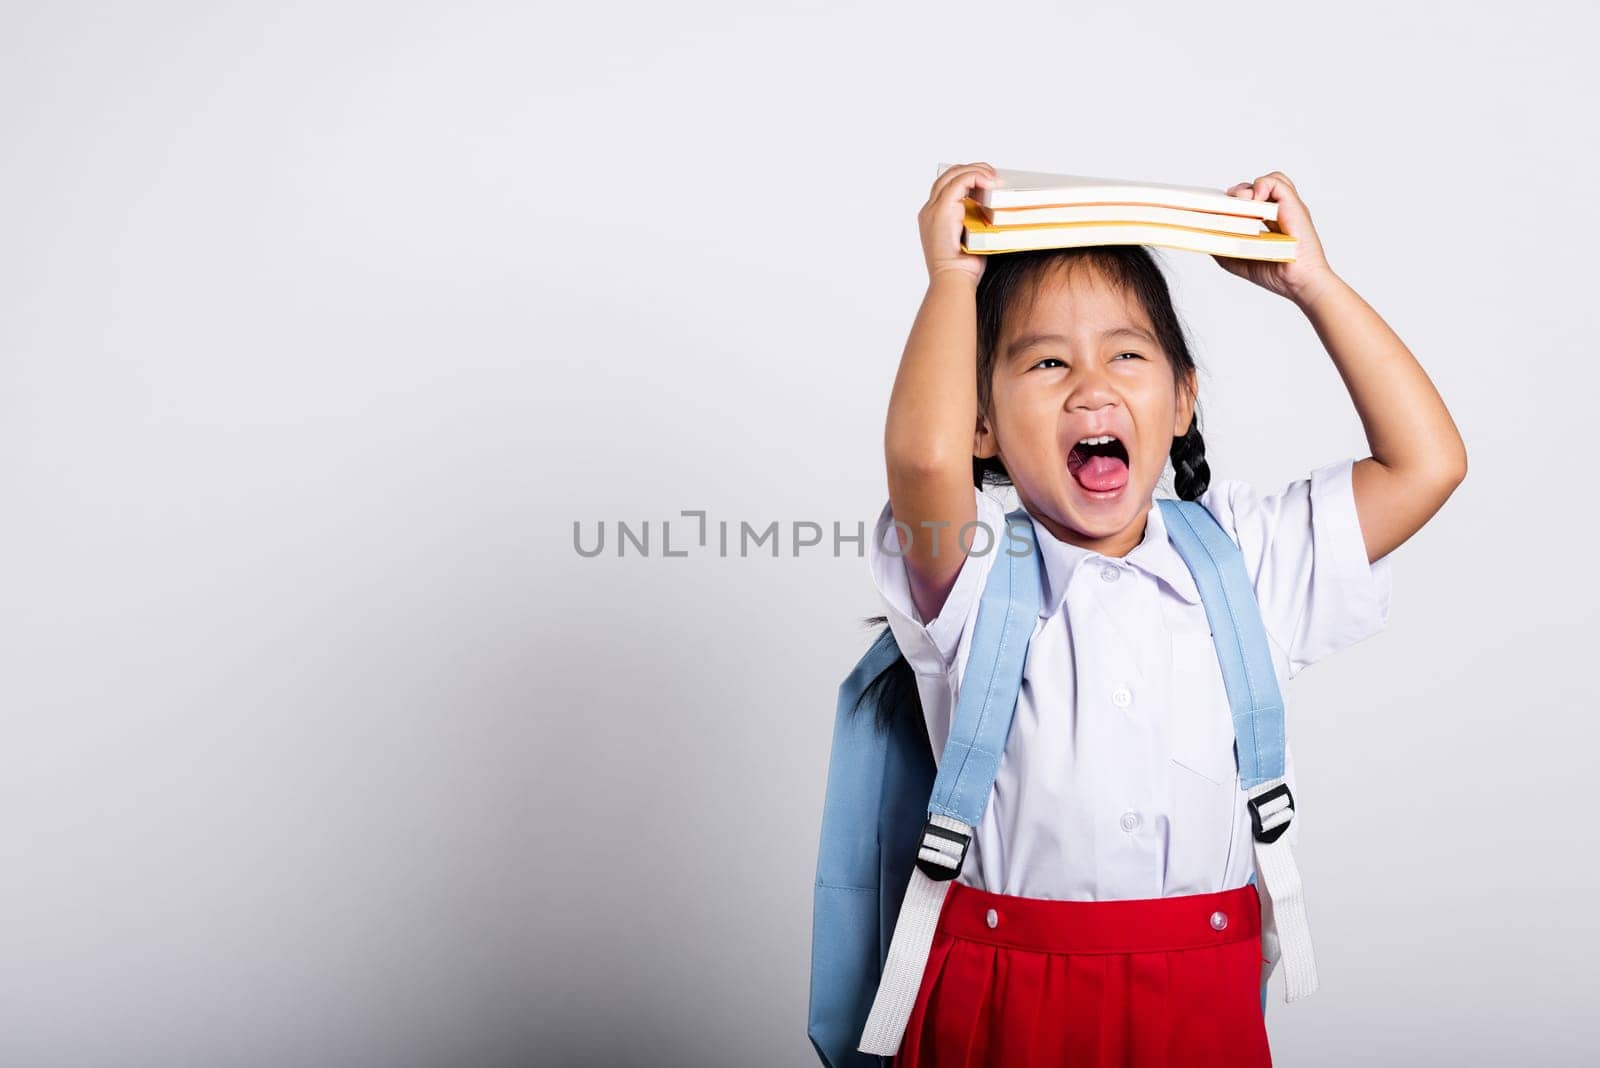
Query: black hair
pixel 1008 279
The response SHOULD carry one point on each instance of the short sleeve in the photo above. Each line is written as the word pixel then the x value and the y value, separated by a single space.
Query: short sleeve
pixel 930 647
pixel 1307 559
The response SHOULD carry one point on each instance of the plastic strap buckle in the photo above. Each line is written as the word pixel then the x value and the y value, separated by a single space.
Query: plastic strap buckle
pixel 1273 831
pixel 942 852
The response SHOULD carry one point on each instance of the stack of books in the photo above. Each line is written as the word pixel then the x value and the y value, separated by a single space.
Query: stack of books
pixel 1034 210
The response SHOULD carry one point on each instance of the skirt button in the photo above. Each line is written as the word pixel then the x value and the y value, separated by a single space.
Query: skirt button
pixel 992 918
pixel 1219 920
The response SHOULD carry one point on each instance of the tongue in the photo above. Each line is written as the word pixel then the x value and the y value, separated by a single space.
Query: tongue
pixel 1101 473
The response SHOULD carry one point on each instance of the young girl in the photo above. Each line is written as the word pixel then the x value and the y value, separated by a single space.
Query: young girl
pixel 1116 816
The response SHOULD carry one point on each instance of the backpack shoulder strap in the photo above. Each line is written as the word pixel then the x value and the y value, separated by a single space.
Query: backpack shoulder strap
pixel 1257 705
pixel 1007 613
pixel 1240 638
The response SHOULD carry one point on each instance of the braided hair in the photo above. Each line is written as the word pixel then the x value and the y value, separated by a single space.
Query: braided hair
pixel 1008 279
pixel 1190 472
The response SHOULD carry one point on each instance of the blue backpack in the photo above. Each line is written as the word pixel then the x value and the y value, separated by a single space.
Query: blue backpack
pixel 895 827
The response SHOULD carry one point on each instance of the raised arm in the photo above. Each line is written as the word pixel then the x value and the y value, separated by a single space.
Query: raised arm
pixel 1418 457
pixel 933 410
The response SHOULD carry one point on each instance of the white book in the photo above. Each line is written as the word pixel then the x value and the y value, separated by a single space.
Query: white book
pixel 1037 189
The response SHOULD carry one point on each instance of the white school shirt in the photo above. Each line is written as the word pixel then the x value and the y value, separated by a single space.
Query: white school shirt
pixel 1118 778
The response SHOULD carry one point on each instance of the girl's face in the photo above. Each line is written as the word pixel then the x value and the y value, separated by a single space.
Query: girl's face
pixel 1082 361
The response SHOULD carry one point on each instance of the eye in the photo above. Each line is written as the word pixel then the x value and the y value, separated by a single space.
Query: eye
pixel 1048 359
pixel 1135 355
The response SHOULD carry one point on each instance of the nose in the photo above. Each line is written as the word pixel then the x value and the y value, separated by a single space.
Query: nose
pixel 1089 391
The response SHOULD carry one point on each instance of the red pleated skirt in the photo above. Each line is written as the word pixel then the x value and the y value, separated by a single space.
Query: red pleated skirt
pixel 1149 983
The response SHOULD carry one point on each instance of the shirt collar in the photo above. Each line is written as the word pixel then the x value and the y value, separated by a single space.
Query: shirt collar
pixel 1154 555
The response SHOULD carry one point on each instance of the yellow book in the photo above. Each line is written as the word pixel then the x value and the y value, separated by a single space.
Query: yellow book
pixel 1071 213
pixel 981 237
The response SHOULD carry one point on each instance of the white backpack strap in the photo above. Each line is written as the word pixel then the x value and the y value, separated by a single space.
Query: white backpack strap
pixel 1285 931
pixel 944 846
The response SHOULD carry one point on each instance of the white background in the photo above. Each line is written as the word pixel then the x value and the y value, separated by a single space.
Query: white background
pixel 323 323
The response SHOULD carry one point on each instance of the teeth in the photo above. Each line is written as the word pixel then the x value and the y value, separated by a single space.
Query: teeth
pixel 1103 439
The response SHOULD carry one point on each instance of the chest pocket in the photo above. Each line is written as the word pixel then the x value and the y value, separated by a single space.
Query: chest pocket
pixel 1202 722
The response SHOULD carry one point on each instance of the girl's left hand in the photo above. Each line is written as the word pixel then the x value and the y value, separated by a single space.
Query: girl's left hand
pixel 1310 270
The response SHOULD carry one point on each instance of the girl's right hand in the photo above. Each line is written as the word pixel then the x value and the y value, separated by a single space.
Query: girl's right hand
pixel 943 216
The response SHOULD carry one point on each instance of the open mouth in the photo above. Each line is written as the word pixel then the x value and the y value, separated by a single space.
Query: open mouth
pixel 1099 464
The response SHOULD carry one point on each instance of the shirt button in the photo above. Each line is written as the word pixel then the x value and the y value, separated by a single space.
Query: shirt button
pixel 992 918
pixel 1130 821
pixel 1110 573
pixel 1122 697
pixel 1219 920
